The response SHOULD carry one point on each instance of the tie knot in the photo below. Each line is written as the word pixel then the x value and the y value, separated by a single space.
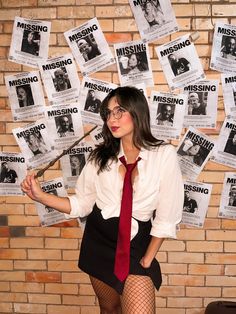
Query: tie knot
pixel 129 167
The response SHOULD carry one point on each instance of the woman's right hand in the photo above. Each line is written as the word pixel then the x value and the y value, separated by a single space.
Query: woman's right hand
pixel 31 187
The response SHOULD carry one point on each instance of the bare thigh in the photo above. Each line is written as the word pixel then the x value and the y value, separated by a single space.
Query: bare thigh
pixel 108 298
pixel 138 295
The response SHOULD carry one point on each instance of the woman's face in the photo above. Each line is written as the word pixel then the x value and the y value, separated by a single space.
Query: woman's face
pixel 149 7
pixel 30 37
pixel 122 127
pixel 75 163
pixel 21 94
pixel 33 140
pixel 133 62
pixel 194 150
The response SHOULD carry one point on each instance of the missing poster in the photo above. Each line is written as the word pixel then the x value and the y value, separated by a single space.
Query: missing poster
pixel 49 216
pixel 73 162
pixel 64 125
pixel 223 55
pixel 167 114
pixel 228 197
pixel 91 96
pixel 155 19
pixel 196 201
pixel 89 47
pixel 193 151
pixel 12 173
pixel 25 96
pixel 225 148
pixel 133 63
pixel 30 41
pixel 229 94
pixel 201 110
pixel 180 62
pixel 60 78
pixel 35 143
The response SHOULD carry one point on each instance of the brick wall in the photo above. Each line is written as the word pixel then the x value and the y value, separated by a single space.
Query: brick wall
pixel 38 266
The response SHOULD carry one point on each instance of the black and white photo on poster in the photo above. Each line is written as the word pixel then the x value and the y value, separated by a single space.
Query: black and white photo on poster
pixel 225 148
pixel 167 114
pixel 73 162
pixel 193 151
pixel 26 96
pixel 35 143
pixel 229 94
pixel 89 47
pixel 154 18
pixel 180 62
pixel 12 173
pixel 97 136
pixel 65 124
pixel 133 63
pixel 92 103
pixel 60 78
pixel 196 201
pixel 30 41
pixel 228 197
pixel 201 111
pixel 91 95
pixel 223 54
pixel 49 216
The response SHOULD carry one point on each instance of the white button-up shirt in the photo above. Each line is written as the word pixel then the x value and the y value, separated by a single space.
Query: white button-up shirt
pixel 157 188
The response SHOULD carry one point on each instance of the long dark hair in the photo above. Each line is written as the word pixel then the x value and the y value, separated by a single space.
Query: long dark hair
pixel 133 100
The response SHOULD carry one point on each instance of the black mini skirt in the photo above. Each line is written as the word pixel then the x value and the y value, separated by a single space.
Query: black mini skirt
pixel 98 247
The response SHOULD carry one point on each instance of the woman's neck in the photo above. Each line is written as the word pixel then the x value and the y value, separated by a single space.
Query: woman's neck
pixel 131 152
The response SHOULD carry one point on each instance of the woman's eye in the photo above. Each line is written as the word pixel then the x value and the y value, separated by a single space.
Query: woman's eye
pixel 121 110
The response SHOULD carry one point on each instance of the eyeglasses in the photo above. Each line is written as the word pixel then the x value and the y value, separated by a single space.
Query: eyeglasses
pixel 117 113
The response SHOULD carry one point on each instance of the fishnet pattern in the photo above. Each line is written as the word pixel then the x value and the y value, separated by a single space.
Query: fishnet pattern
pixel 108 298
pixel 138 296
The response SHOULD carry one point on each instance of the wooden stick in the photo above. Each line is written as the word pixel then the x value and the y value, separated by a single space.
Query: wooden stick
pixel 51 163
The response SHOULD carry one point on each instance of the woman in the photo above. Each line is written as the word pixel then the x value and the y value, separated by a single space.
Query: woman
pixel 194 154
pixel 36 144
pixel 31 44
pixel 135 65
pixel 77 163
pixel 25 97
pixel 153 13
pixel 157 204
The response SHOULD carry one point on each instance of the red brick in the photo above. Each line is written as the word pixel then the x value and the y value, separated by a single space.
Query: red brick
pixel 43 276
pixel 4 232
pixel 71 233
pixel 113 38
pixel 12 254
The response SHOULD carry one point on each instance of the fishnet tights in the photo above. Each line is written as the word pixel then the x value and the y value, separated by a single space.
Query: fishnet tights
pixel 108 298
pixel 138 296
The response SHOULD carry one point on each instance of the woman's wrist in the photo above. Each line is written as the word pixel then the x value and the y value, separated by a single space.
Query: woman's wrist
pixel 146 262
pixel 42 197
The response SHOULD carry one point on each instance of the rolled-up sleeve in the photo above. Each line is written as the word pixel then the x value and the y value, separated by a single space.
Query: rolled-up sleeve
pixel 171 196
pixel 85 193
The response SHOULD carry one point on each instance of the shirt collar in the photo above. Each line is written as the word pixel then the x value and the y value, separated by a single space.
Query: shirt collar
pixel 143 153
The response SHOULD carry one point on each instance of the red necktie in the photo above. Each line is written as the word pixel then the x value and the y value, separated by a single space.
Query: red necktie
pixel 122 258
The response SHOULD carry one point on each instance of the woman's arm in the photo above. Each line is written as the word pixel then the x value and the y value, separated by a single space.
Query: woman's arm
pixel 151 252
pixel 32 188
